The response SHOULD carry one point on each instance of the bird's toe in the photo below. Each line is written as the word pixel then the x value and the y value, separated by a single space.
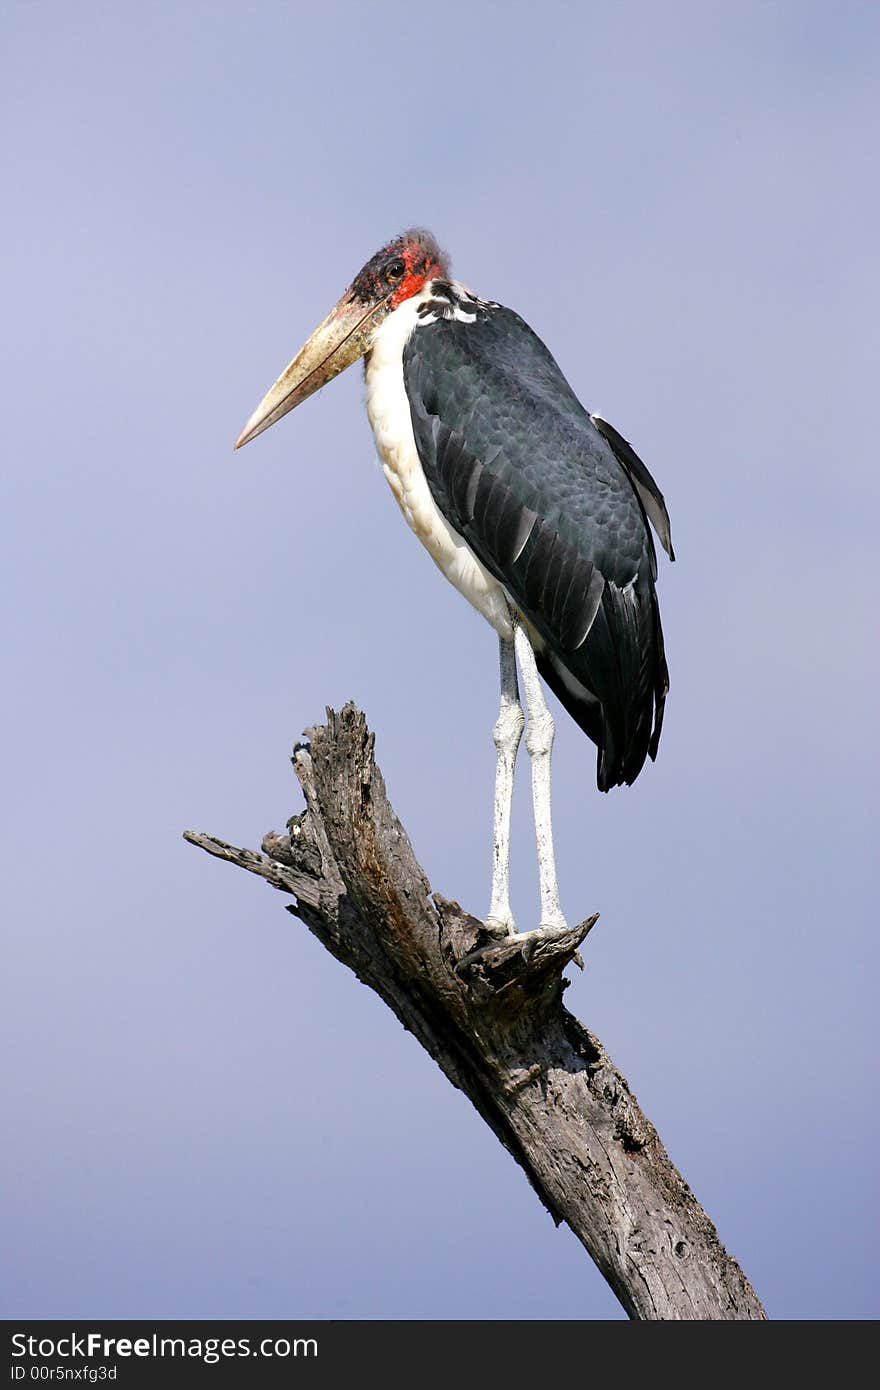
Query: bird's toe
pixel 500 925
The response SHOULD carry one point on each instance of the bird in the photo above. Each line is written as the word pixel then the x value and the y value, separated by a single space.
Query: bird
pixel 536 510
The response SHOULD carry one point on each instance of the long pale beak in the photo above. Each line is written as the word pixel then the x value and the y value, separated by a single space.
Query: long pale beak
pixel 341 339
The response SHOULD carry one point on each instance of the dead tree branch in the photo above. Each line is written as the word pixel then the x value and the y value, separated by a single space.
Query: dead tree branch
pixel 495 1024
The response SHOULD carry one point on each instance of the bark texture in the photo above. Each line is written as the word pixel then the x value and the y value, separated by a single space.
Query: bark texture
pixel 495 1023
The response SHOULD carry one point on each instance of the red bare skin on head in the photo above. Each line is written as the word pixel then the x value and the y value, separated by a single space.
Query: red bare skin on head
pixel 380 281
pixel 420 268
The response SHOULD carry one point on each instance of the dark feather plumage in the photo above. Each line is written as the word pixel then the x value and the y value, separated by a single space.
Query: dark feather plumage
pixel 556 505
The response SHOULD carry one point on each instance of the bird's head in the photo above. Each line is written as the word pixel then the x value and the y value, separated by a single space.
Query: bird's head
pixel 393 275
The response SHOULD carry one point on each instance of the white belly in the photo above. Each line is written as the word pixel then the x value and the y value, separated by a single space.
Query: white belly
pixel 388 409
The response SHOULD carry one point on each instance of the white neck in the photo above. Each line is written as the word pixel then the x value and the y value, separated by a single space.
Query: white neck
pixel 389 411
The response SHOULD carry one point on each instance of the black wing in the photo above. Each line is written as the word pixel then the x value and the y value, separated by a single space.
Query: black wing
pixel 556 511
pixel 650 495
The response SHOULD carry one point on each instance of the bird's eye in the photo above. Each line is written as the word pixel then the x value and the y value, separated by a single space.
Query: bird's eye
pixel 394 270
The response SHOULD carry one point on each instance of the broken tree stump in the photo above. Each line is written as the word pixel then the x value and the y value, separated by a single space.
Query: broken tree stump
pixel 491 1015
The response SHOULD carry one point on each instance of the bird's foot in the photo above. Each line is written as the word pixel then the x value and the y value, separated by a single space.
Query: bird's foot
pixel 527 942
pixel 548 931
pixel 500 924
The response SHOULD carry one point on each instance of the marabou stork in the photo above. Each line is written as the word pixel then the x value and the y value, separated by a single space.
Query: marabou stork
pixel 536 511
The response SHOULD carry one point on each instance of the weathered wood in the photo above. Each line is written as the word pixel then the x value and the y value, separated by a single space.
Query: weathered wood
pixel 494 1022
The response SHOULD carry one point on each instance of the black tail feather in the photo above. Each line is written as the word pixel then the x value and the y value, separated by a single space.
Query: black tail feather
pixel 615 685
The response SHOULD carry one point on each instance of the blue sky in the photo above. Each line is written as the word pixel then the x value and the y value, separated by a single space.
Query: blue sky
pixel 207 1115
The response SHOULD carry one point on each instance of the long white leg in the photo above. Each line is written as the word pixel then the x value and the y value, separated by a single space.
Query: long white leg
pixel 507 734
pixel 539 742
